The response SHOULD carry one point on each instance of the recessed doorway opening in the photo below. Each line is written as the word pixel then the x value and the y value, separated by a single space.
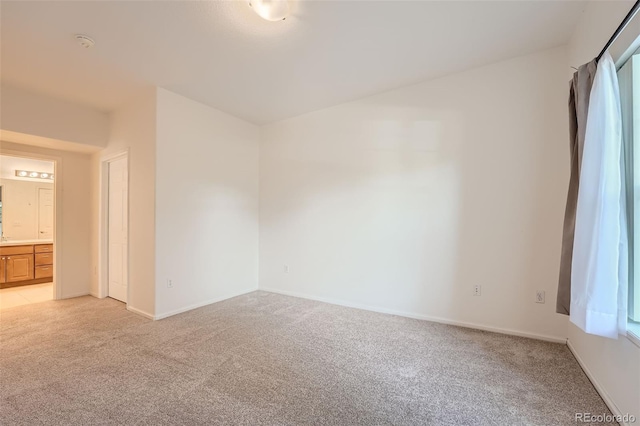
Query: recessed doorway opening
pixel 27 230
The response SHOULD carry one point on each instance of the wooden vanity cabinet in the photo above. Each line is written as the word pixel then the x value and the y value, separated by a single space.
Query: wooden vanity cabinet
pixel 17 263
pixel 43 248
pixel 43 261
pixel 19 267
pixel 26 264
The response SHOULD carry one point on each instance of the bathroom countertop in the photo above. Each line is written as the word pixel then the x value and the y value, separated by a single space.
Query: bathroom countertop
pixel 24 242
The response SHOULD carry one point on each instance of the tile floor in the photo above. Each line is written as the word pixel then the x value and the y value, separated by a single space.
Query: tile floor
pixel 25 295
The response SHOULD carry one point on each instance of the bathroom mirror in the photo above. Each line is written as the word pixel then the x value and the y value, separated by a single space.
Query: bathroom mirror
pixel 26 199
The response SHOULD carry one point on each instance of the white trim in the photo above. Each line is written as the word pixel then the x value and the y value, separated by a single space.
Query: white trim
pixel 139 312
pixel 205 303
pixel 74 295
pixel 103 225
pixel 57 279
pixel 632 336
pixel 603 393
pixel 420 316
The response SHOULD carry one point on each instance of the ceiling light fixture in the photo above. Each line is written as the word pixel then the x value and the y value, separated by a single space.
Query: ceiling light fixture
pixel 85 41
pixel 32 174
pixel 271 10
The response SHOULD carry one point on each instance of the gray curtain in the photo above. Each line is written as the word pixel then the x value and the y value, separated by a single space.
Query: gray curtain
pixel 578 108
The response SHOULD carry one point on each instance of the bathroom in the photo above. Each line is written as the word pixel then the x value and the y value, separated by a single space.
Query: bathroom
pixel 27 200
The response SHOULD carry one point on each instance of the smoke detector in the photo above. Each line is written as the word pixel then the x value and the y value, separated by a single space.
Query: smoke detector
pixel 85 41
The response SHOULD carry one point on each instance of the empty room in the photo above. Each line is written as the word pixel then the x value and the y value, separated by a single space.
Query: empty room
pixel 306 212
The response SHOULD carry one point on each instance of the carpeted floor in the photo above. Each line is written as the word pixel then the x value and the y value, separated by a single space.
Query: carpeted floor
pixel 266 359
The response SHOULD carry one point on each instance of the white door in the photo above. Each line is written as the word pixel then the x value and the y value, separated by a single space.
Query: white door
pixel 45 214
pixel 118 229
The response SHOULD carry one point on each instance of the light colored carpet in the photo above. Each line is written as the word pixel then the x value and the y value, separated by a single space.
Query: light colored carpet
pixel 266 359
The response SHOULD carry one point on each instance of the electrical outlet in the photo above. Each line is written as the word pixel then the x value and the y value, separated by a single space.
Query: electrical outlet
pixel 286 269
pixel 169 284
pixel 540 296
pixel 477 290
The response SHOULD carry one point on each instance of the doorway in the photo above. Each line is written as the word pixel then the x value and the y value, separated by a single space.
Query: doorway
pixel 115 228
pixel 28 251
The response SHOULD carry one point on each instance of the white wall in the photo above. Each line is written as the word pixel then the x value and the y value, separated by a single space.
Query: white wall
pixel 34 114
pixel 73 236
pixel 403 201
pixel 613 364
pixel 193 209
pixel 206 204
pixel 20 208
pixel 133 129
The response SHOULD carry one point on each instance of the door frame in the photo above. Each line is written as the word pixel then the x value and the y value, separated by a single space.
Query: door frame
pixel 58 281
pixel 103 220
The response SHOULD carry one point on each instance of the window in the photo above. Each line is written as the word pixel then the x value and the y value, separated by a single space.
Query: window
pixel 629 80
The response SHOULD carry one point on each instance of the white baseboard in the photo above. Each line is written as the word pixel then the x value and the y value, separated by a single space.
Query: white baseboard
pixel 139 312
pixel 71 296
pixel 603 393
pixel 419 316
pixel 201 304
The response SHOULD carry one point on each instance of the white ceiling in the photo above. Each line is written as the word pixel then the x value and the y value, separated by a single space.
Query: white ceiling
pixel 9 165
pixel 222 54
